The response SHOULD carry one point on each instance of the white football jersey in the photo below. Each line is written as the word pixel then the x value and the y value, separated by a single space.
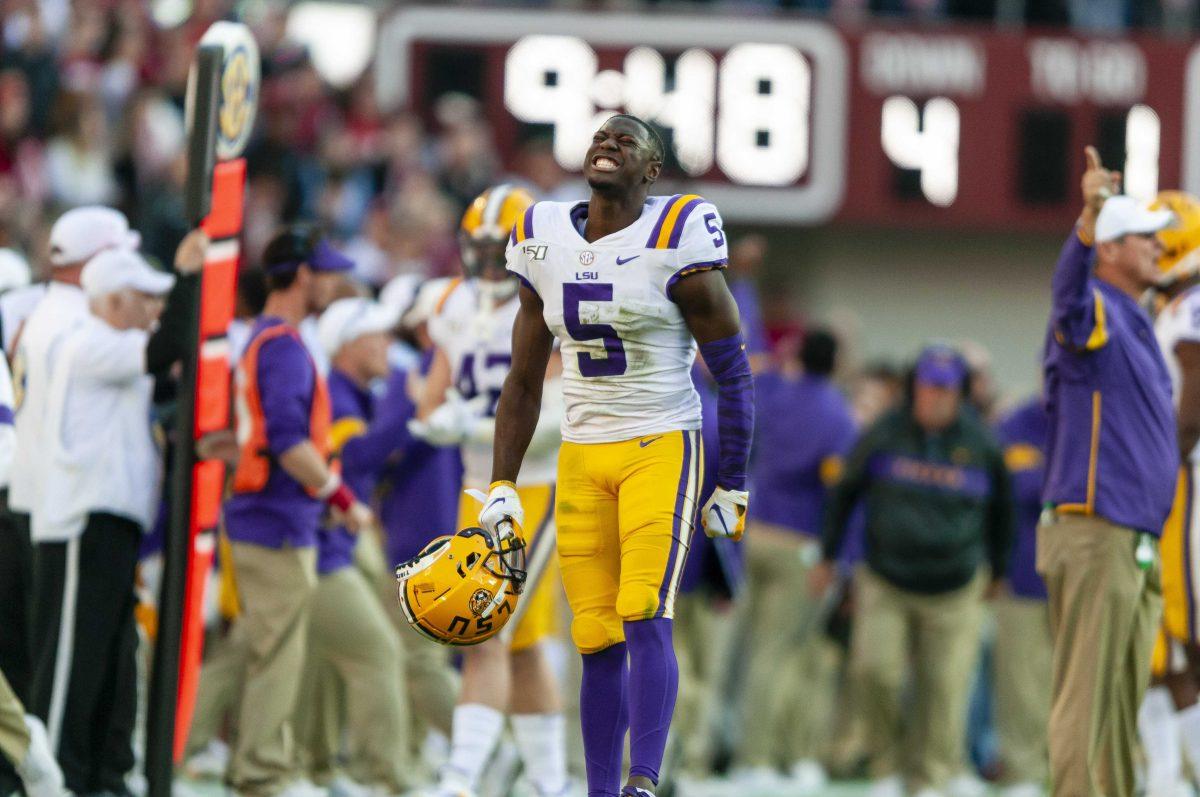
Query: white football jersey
pixel 627 353
pixel 476 337
pixel 1179 322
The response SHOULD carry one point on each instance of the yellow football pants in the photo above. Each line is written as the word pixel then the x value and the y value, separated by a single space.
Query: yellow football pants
pixel 1180 550
pixel 539 618
pixel 625 517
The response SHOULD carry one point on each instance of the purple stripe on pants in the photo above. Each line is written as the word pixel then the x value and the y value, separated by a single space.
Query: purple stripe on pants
pixel 676 525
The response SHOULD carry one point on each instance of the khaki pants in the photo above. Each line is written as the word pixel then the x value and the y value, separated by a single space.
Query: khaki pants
pixel 1104 613
pixel 703 633
pixel 14 736
pixel 1023 666
pixel 354 681
pixel 433 685
pixel 790 681
pixel 261 663
pixel 939 634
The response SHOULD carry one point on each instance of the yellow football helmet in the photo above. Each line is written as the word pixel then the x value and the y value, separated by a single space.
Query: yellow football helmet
pixel 486 226
pixel 1180 258
pixel 463 588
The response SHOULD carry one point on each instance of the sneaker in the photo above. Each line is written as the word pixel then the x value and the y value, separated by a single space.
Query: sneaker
pixel 1027 789
pixel 891 786
pixel 808 777
pixel 634 791
pixel 40 771
pixel 303 787
pixel 344 786
pixel 208 763
pixel 966 785
pixel 750 780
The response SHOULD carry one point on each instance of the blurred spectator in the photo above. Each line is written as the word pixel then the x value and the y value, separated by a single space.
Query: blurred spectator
pixel 79 159
pixel 745 262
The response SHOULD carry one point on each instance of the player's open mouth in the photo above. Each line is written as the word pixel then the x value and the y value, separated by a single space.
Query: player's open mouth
pixel 603 163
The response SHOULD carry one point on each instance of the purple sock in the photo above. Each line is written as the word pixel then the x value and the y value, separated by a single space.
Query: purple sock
pixel 653 684
pixel 604 713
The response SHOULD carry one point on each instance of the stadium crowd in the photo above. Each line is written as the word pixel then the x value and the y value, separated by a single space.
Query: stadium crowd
pixel 792 651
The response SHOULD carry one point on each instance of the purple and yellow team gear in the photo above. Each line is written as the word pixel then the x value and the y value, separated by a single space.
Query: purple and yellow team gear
pixel 462 589
pixel 1112 450
pixel 539 609
pixel 625 516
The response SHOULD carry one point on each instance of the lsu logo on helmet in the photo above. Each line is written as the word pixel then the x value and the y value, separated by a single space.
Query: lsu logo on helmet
pixel 463 588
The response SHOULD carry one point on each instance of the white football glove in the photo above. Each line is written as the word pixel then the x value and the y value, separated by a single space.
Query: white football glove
pixel 452 421
pixel 725 513
pixel 500 505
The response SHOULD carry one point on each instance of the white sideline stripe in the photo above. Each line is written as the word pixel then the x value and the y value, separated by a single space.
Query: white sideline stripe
pixel 64 654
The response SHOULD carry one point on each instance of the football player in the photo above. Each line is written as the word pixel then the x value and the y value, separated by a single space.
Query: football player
pixel 471 328
pixel 629 284
pixel 1177 654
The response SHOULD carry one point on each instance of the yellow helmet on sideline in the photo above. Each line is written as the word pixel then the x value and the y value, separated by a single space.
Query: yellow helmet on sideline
pixel 488 222
pixel 1180 258
pixel 463 588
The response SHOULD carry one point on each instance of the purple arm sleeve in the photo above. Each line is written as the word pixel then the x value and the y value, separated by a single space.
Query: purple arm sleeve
pixel 285 383
pixel 726 361
pixel 1073 312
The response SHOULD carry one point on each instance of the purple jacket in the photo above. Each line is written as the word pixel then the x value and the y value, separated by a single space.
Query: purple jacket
pixel 1112 447
pixel 282 512
pixel 420 489
pixel 803 430
pixel 1022 436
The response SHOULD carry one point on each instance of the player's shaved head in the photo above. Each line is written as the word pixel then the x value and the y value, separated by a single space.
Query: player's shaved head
pixel 654 141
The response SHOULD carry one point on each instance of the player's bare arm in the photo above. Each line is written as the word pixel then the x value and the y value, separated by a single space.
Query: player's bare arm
pixel 707 305
pixel 521 399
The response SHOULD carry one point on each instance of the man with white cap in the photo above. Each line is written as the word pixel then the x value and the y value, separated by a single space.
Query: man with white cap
pixel 29 337
pixel 101 469
pixel 1111 466
pixel 353 650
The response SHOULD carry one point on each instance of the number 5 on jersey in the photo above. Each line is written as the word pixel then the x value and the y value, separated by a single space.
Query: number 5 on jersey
pixel 614 363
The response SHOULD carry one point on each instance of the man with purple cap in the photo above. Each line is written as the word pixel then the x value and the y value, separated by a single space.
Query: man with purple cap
pixel 1111 466
pixel 282 487
pixel 938 526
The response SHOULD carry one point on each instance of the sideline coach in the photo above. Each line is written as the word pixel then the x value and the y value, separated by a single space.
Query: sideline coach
pixel 1111 467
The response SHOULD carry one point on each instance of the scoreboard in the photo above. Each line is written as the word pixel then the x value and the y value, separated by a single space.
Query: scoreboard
pixel 797 121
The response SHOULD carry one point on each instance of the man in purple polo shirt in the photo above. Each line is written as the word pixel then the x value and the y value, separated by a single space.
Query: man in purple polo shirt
pixel 788 699
pixel 281 488
pixel 1111 464
pixel 1023 650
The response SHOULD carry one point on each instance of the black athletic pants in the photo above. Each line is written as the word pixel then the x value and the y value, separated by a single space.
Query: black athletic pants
pixel 16 598
pixel 85 643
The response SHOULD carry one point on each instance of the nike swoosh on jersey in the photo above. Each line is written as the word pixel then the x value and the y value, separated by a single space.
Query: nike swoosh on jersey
pixel 623 260
pixel 644 443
